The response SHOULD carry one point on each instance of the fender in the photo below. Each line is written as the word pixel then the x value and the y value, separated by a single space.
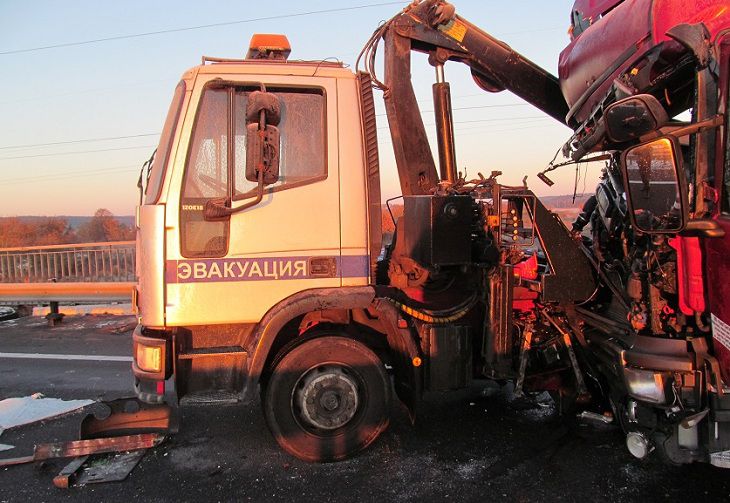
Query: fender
pixel 408 379
pixel 298 304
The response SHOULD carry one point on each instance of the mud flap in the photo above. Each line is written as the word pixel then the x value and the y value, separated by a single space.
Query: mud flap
pixel 408 378
pixel 407 383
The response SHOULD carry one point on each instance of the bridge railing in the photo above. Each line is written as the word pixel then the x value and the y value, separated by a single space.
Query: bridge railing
pixel 72 263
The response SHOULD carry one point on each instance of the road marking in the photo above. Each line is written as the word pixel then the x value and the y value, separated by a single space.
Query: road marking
pixel 42 356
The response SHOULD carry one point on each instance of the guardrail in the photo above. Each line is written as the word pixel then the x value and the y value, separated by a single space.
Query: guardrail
pixel 72 273
pixel 47 293
pixel 79 263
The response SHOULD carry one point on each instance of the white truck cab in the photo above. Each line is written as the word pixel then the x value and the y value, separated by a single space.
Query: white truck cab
pixel 208 288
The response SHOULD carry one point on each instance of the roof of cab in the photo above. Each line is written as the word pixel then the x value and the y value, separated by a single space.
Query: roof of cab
pixel 320 68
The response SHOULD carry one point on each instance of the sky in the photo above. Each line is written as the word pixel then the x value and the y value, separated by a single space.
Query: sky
pixel 59 105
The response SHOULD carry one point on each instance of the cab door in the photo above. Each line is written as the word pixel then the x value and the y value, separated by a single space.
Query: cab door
pixel 235 269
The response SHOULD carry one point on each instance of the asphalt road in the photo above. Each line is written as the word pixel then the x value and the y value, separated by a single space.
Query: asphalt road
pixel 473 445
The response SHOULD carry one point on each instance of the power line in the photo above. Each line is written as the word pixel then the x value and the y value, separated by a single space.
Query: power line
pixel 519 119
pixel 73 174
pixel 473 107
pixel 387 140
pixel 488 106
pixel 523 32
pixel 499 119
pixel 60 177
pixel 109 138
pixel 529 126
pixel 121 85
pixel 80 141
pixel 489 127
pixel 77 152
pixel 198 27
pixel 135 168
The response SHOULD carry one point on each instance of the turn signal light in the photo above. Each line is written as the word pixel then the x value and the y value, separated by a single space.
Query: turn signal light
pixel 149 358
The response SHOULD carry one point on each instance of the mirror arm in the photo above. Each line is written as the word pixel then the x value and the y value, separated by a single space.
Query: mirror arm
pixel 216 210
pixel 705 228
pixel 697 127
pixel 710 123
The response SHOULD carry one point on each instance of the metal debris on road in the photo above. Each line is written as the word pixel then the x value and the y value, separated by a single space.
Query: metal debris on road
pixel 112 468
pixel 126 416
pixel 29 409
pixel 64 479
pixel 141 425
pixel 76 448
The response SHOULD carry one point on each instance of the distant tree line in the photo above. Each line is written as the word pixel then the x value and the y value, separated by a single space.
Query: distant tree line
pixel 103 226
pixel 388 222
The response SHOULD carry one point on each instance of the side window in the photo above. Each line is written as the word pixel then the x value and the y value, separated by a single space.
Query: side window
pixel 303 148
pixel 216 162
pixel 206 177
pixel 207 172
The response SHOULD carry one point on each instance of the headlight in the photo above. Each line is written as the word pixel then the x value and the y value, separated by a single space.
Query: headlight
pixel 646 385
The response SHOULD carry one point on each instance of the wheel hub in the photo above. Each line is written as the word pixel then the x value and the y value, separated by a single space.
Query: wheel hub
pixel 327 398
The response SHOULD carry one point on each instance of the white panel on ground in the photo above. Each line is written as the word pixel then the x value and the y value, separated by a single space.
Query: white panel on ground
pixel 24 410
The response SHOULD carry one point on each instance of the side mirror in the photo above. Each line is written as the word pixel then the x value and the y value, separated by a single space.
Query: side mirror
pixel 655 187
pixel 633 117
pixel 263 113
pixel 262 153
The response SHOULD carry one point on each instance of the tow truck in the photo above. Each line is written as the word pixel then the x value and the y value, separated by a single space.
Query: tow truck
pixel 262 271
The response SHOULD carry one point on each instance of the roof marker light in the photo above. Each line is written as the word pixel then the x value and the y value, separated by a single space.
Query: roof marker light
pixel 268 46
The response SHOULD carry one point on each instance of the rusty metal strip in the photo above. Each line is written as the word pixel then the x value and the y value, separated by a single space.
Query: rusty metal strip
pixel 96 446
pixel 77 448
pixel 127 416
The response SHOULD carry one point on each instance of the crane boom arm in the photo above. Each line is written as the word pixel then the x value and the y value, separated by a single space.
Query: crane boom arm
pixel 432 27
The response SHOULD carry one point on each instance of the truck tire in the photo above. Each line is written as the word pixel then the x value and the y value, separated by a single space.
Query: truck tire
pixel 327 399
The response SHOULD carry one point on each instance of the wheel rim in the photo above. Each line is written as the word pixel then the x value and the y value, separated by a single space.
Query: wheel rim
pixel 326 398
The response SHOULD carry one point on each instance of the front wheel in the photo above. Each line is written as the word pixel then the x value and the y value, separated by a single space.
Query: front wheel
pixel 327 399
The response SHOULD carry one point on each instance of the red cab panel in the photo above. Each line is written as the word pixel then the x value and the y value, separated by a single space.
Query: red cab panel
pixel 601 46
pixel 614 42
pixel 717 259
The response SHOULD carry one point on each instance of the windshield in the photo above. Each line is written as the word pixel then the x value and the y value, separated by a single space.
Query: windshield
pixel 157 170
